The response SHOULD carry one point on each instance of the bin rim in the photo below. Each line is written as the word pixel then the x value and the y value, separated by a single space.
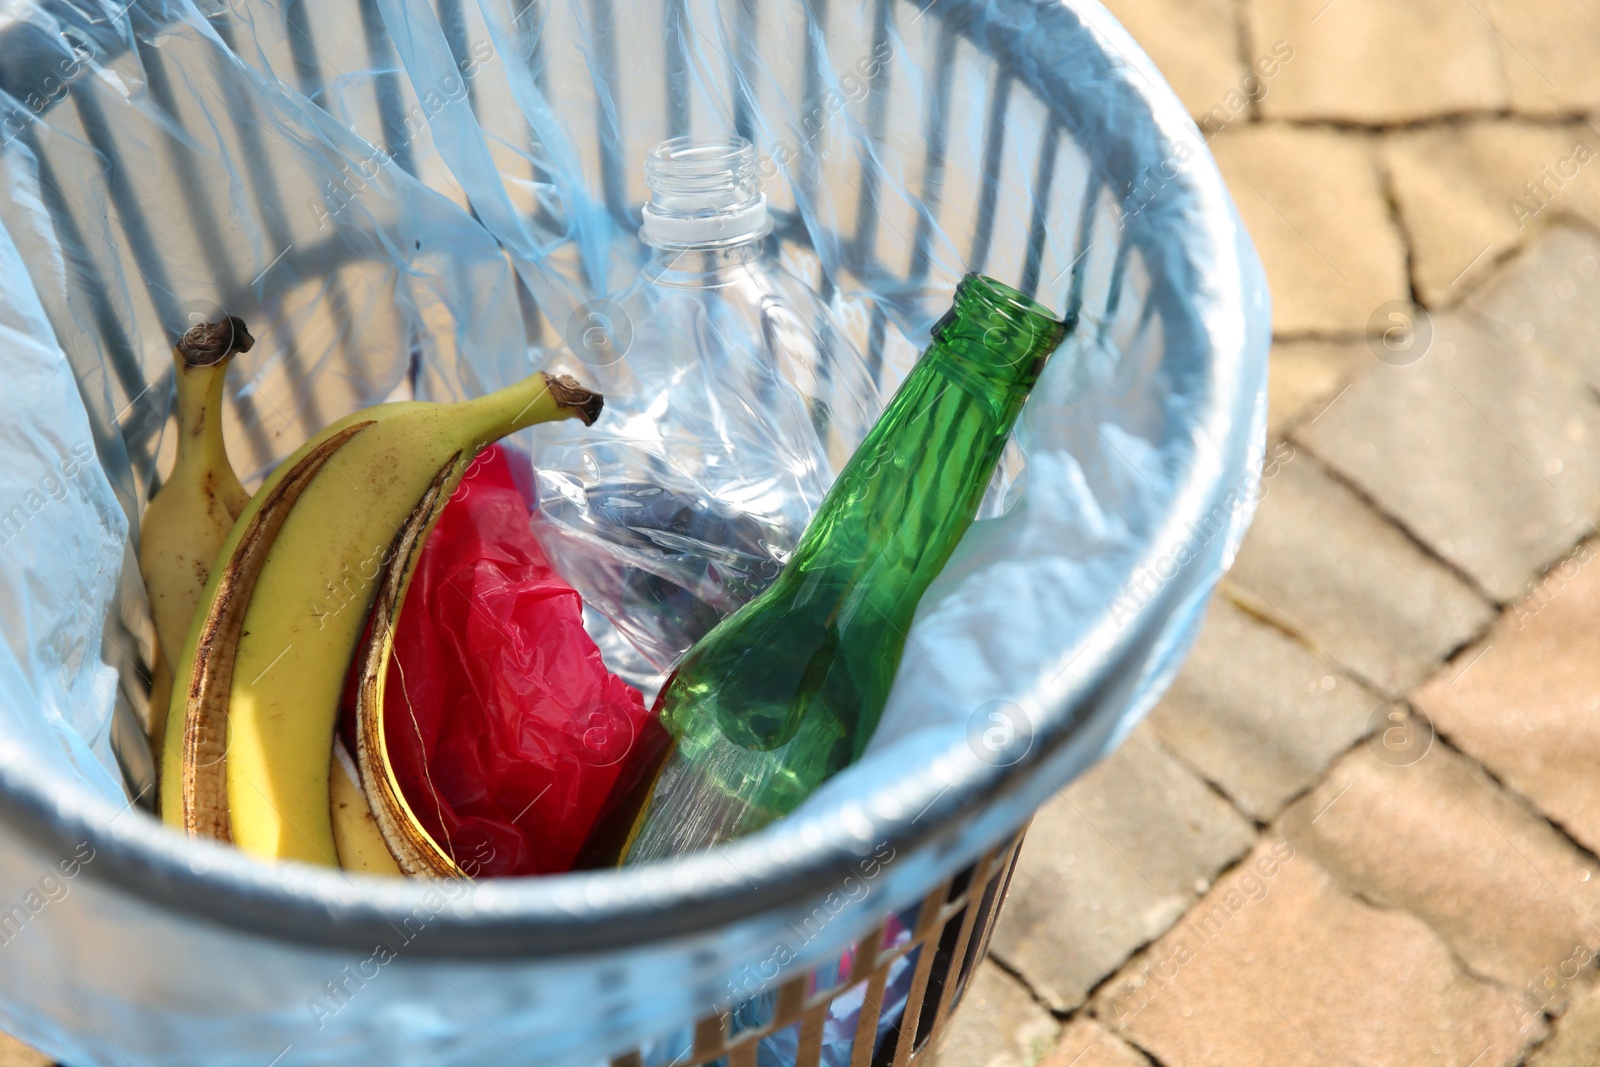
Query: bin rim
pixel 592 912
pixel 545 917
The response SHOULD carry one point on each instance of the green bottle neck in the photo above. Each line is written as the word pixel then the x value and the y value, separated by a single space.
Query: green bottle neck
pixel 994 342
pixel 788 690
pixel 915 482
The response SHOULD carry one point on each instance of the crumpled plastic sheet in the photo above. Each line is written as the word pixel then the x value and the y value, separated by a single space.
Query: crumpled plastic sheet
pixel 497 699
pixel 55 504
pixel 405 199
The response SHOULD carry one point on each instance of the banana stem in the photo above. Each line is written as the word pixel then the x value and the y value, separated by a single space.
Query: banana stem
pixel 201 358
pixel 538 398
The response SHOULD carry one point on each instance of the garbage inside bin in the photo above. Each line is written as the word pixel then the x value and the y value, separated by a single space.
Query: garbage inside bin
pixel 503 729
pixel 786 692
pixel 735 397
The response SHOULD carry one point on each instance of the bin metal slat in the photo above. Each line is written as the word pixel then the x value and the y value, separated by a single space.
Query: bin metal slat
pixel 742 1053
pixel 990 920
pixel 1086 226
pixel 862 1047
pixel 809 1052
pixel 123 359
pixel 536 69
pixel 203 223
pixel 936 126
pixel 871 968
pixel 608 119
pixel 307 65
pixel 130 213
pixel 139 435
pixel 924 938
pixel 958 952
pixel 221 20
pixel 1049 144
pixel 710 1037
pixel 791 1002
pixel 453 21
pixel 677 72
pixel 907 1038
pixel 391 115
pixel 1114 291
pixel 741 62
pixel 866 236
pixel 865 959
pixel 876 332
pixel 127 449
pixel 983 908
pixel 816 53
pixel 994 141
pixel 205 226
pixel 274 219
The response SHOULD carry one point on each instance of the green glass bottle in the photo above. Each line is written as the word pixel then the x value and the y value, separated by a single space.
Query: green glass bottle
pixel 786 691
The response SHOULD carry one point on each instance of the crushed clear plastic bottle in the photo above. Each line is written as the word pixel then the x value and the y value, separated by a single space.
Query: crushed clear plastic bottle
pixel 732 399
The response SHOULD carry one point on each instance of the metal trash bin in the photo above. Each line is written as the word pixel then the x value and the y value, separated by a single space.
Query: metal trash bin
pixel 391 189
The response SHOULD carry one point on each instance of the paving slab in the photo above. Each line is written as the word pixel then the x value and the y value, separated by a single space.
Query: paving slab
pixel 1549 71
pixel 1280 966
pixel 1433 835
pixel 1195 43
pixel 998 1024
pixel 1469 195
pixel 1108 864
pixel 1320 218
pixel 1303 376
pixel 1257 712
pixel 1323 564
pixel 1486 450
pixel 1350 64
pixel 1085 1043
pixel 1549 297
pixel 1575 1036
pixel 14 1053
pixel 1526 701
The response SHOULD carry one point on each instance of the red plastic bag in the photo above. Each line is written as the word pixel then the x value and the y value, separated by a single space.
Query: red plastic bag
pixel 504 727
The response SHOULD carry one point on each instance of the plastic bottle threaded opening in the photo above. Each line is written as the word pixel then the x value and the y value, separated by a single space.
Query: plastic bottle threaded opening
pixel 704 193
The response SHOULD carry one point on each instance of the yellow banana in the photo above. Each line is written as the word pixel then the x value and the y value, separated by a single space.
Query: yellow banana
pixel 355 832
pixel 187 521
pixel 250 733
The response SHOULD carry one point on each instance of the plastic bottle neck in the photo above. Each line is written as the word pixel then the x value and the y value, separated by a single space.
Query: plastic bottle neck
pixel 705 268
pixel 705 195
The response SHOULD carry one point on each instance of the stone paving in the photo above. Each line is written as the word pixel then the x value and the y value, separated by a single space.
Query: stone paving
pixel 1363 827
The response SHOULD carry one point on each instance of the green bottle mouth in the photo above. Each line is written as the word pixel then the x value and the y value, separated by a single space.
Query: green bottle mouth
pixel 998 297
pixel 992 324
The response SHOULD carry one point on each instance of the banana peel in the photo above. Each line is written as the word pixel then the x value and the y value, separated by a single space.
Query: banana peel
pixel 249 745
pixel 412 847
